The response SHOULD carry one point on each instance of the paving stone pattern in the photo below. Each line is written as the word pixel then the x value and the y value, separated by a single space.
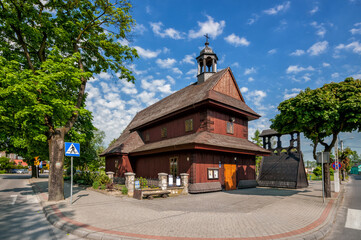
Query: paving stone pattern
pixel 244 213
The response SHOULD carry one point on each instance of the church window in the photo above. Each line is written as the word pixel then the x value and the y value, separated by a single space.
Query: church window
pixel 163 132
pixel 230 127
pixel 189 125
pixel 147 137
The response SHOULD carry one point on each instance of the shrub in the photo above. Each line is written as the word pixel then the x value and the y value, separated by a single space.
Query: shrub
pixel 103 179
pixel 86 178
pixel 143 182
pixel 317 171
pixel 66 178
pixel 124 190
pixel 102 187
pixel 96 185
pixel 2 171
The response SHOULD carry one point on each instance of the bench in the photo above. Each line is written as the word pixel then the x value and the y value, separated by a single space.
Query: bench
pixel 150 195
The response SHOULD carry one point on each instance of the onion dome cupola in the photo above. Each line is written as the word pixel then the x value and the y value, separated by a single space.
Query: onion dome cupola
pixel 207 63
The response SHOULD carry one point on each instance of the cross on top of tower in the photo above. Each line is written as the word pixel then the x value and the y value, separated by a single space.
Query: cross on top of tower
pixel 207 37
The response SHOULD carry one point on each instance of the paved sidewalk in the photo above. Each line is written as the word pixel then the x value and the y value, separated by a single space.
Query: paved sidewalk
pixel 258 213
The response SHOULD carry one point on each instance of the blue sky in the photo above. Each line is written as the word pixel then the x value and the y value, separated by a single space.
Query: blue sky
pixel 274 48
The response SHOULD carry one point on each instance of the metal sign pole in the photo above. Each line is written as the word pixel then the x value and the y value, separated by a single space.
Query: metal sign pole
pixel 323 181
pixel 71 182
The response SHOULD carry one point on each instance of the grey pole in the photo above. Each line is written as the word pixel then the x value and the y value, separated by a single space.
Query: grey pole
pixel 71 182
pixel 323 187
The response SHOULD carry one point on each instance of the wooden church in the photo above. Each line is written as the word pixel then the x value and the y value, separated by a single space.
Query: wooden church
pixel 201 130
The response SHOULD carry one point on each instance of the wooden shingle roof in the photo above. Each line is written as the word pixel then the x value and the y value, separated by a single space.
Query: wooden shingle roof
pixel 207 139
pixel 186 97
pixel 189 96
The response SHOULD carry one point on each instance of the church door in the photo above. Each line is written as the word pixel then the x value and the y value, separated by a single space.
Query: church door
pixel 230 179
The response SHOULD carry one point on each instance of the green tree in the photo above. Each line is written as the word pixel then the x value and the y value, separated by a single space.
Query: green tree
pixel 6 164
pixel 321 113
pixel 48 51
pixel 257 140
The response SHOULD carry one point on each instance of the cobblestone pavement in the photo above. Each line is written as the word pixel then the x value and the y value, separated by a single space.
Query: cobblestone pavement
pixel 257 213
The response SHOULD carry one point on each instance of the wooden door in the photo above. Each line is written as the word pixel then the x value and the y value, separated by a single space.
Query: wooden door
pixel 230 180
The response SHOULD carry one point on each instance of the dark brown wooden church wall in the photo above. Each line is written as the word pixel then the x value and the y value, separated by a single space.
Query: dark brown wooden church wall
pixel 175 128
pixel 150 166
pixel 110 163
pixel 118 164
pixel 246 168
pixel 208 159
pixel 220 120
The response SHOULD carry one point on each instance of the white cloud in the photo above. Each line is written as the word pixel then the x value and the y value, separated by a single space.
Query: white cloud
pixel 272 51
pixel 177 70
pixel 158 85
pixel 192 72
pixel 318 48
pixel 325 64
pixel 166 50
pixel 128 87
pixel 279 8
pixel 253 19
pixel 256 96
pixel 314 10
pixel 148 10
pixel 140 29
pixel 356 30
pixel 208 27
pixel 169 32
pixel 123 42
pixel 92 91
pixel 236 41
pixel 190 58
pixel 147 53
pixel 298 52
pixel 235 64
pixel 297 69
pixel 166 63
pixel 321 30
pixel 249 71
pixel 291 93
pixel 170 79
pixel 250 79
pixel 354 47
pixel 335 75
pixel 244 89
pixel 147 98
pixel 104 75
pixel 134 70
pixel 357 76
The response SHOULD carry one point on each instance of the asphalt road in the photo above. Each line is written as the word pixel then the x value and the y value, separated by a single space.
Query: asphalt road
pixel 348 219
pixel 21 216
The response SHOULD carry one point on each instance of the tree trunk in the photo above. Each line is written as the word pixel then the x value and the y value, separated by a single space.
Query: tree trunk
pixel 33 170
pixel 56 163
pixel 327 180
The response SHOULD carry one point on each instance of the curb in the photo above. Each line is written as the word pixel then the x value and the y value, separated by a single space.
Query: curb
pixel 57 219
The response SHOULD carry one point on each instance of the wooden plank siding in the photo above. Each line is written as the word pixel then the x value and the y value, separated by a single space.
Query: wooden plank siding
pixel 208 159
pixel 227 86
pixel 150 166
pixel 240 125
pixel 175 128
pixel 119 164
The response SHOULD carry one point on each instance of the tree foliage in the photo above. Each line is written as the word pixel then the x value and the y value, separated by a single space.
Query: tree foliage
pixel 48 51
pixel 322 112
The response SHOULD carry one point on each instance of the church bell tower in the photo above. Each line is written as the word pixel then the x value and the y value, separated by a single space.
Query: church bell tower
pixel 207 63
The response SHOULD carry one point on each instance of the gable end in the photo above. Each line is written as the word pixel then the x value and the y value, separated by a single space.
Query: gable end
pixel 228 86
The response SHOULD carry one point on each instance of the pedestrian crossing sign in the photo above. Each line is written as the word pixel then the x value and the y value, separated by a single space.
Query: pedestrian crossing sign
pixel 72 149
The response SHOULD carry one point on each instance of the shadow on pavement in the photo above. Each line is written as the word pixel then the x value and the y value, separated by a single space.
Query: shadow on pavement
pixel 267 191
